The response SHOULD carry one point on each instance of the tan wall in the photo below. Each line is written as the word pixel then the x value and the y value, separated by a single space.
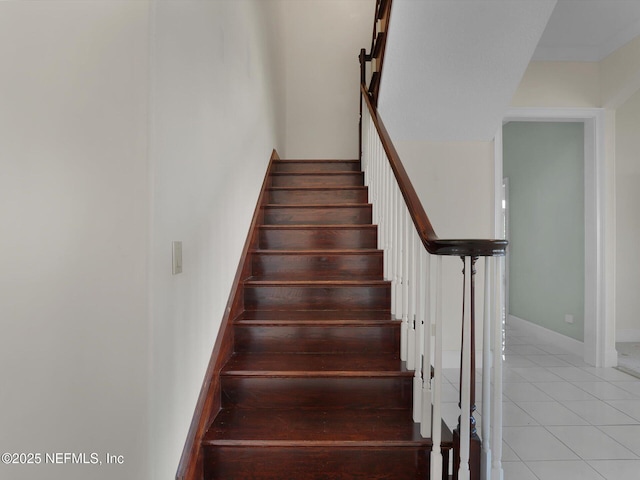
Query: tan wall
pixel 320 42
pixel 628 219
pixel 559 84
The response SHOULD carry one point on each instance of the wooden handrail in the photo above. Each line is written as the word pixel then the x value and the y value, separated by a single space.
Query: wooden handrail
pixel 433 244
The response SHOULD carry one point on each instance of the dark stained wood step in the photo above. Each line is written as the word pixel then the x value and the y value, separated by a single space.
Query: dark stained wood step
pixel 311 317
pixel 317 426
pixel 339 214
pixel 318 295
pixel 318 263
pixel 318 337
pixel 316 166
pixel 302 380
pixel 317 463
pixel 329 392
pixel 306 237
pixel 324 179
pixel 318 195
pixel 316 365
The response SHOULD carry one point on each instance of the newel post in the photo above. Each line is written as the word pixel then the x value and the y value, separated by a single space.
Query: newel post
pixel 467 382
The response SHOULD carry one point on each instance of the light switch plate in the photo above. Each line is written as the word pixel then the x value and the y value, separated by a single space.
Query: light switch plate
pixel 176 248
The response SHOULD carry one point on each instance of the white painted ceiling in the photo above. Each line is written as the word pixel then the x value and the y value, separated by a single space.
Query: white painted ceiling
pixel 588 30
pixel 451 67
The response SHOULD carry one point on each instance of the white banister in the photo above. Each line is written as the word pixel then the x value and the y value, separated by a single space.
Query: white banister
pixel 436 423
pixel 498 344
pixel 418 335
pixel 485 468
pixel 426 272
pixel 409 260
pixel 413 264
pixel 465 375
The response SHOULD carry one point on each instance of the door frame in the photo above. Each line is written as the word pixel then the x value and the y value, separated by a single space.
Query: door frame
pixel 599 328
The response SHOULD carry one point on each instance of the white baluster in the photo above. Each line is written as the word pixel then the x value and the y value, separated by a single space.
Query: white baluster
pixel 465 381
pixel 418 337
pixel 390 225
pixel 415 296
pixel 407 295
pixel 393 240
pixel 400 305
pixel 486 370
pixel 436 433
pixel 496 414
pixel 383 235
pixel 364 154
pixel 429 282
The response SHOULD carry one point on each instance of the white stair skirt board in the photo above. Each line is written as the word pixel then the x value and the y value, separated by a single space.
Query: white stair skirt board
pixel 547 336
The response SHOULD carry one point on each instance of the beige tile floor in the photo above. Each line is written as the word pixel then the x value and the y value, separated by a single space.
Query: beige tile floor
pixel 563 420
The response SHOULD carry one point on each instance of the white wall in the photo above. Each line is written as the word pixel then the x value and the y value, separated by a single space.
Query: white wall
pixel 454 181
pixel 213 129
pixel 74 209
pixel 321 41
pixel 628 226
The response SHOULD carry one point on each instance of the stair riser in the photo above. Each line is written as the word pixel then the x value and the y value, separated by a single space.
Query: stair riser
pixel 319 266
pixel 333 392
pixel 360 215
pixel 300 239
pixel 317 196
pixel 317 298
pixel 316 463
pixel 310 167
pixel 324 339
pixel 321 180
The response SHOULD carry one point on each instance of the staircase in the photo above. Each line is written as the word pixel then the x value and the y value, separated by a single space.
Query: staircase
pixel 314 387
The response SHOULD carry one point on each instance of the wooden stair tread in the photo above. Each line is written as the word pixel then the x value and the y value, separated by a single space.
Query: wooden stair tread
pixel 342 251
pixel 311 174
pixel 340 282
pixel 269 317
pixel 315 160
pixel 325 226
pixel 312 279
pixel 328 187
pixel 317 205
pixel 316 365
pixel 311 426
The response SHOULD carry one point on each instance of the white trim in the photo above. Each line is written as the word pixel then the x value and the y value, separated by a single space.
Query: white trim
pixel 599 346
pixel 547 336
pixel 628 335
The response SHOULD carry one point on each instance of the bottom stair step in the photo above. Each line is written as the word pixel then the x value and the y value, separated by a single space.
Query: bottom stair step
pixel 314 426
pixel 316 463
pixel 317 444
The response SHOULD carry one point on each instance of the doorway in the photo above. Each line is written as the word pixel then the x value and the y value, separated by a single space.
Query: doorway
pixel 598 347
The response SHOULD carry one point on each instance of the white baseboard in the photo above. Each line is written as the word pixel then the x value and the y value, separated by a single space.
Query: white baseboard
pixel 542 334
pixel 628 335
